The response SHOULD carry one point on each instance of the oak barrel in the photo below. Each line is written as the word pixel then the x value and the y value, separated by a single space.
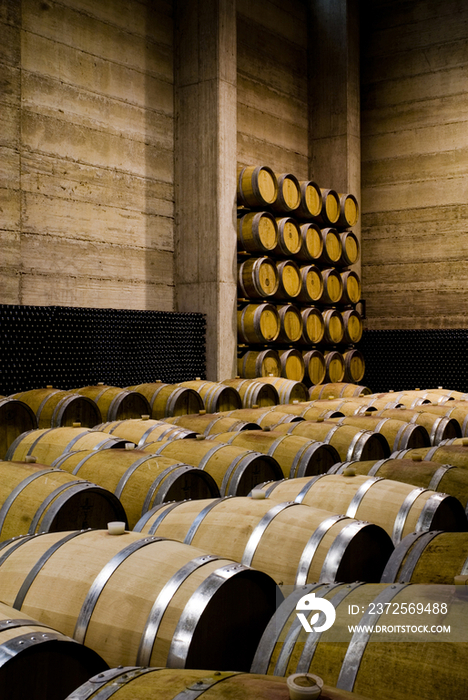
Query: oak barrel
pixel 254 393
pixel 330 211
pixel 290 324
pixel 289 280
pixel 313 325
pixel 54 408
pixel 257 278
pixel 311 200
pixel 216 396
pixel 259 363
pixel 349 210
pixel 334 366
pixel 292 364
pixel 439 427
pixel 399 435
pixel 355 365
pixel 288 389
pixel 16 417
pixel 115 403
pixel 168 399
pixel 289 237
pixel 338 390
pixel 352 323
pixel 334 327
pixel 332 286
pixel 332 247
pixel 256 186
pixel 351 287
pixel 212 423
pixel 311 284
pixel 258 323
pixel 311 243
pixel 315 366
pixel 257 233
pixel 350 249
pixel 288 196
pixel 145 430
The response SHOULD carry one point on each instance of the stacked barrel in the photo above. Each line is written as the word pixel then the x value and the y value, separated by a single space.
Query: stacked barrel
pixel 297 293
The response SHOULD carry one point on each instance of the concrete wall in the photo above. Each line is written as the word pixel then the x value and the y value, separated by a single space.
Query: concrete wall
pixel 415 163
pixel 86 176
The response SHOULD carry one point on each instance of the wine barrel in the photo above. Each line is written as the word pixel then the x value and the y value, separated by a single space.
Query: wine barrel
pixel 139 480
pixel 311 200
pixel 136 599
pixel 236 470
pixel 311 243
pixel 259 363
pixel 334 366
pixel 290 324
pixel 39 662
pixel 397 507
pixel 144 683
pixel 16 417
pixel 330 211
pixel 349 210
pixel 414 398
pixel 115 403
pixel 212 423
pixel 289 280
pixel 296 455
pixel 399 435
pixel 258 323
pixel 256 186
pixel 332 286
pixel 351 287
pixel 257 233
pixel 311 284
pixel 288 389
pixel 254 393
pixel 257 278
pixel 259 533
pixel 216 396
pixel 46 444
pixel 313 326
pixel 305 411
pixel 338 390
pixel 452 409
pixel 346 406
pixel 54 408
pixel 403 398
pixel 349 441
pixel 439 427
pixel 355 366
pixel 315 366
pixel 428 557
pixel 350 249
pixel 288 196
pixel 434 476
pixel 334 326
pixel 292 364
pixel 352 326
pixel 456 454
pixel 332 247
pixel 265 417
pixel 145 430
pixel 168 399
pixel 289 237
pixel 35 498
pixel 390 664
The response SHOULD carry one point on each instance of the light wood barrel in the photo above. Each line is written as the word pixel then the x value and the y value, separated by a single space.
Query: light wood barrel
pixel 351 287
pixel 334 366
pixel 435 557
pixel 259 363
pixel 265 417
pixel 439 427
pixel 35 498
pixel 332 286
pixel 289 280
pixel 46 444
pixel 169 684
pixel 115 403
pixel 355 366
pixel 216 396
pixel 138 479
pixel 311 284
pixel 349 210
pixel 315 366
pixel 296 455
pixel 212 423
pixel 107 591
pixel 16 417
pixel 452 409
pixel 254 393
pixel 434 476
pixel 332 247
pixel 54 408
pixel 290 324
pixel 288 389
pixel 39 662
pixel 289 237
pixel 257 278
pixel 313 326
pixel 350 442
pixel 350 249
pixel 414 398
pixel 305 411
pixel 311 243
pixel 456 454
pixel 274 538
pixel 258 323
pixel 389 665
pixel 256 186
pixel 311 200
pixel 352 323
pixel 169 399
pixel 330 211
pixel 142 431
pixel 257 233
pixel 399 435
pixel 334 326
pixel 338 390
pixel 346 406
pixel 292 364
pixel 288 196
pixel 236 470
pixel 397 507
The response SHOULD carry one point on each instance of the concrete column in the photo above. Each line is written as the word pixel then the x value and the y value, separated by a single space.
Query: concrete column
pixel 334 110
pixel 205 173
